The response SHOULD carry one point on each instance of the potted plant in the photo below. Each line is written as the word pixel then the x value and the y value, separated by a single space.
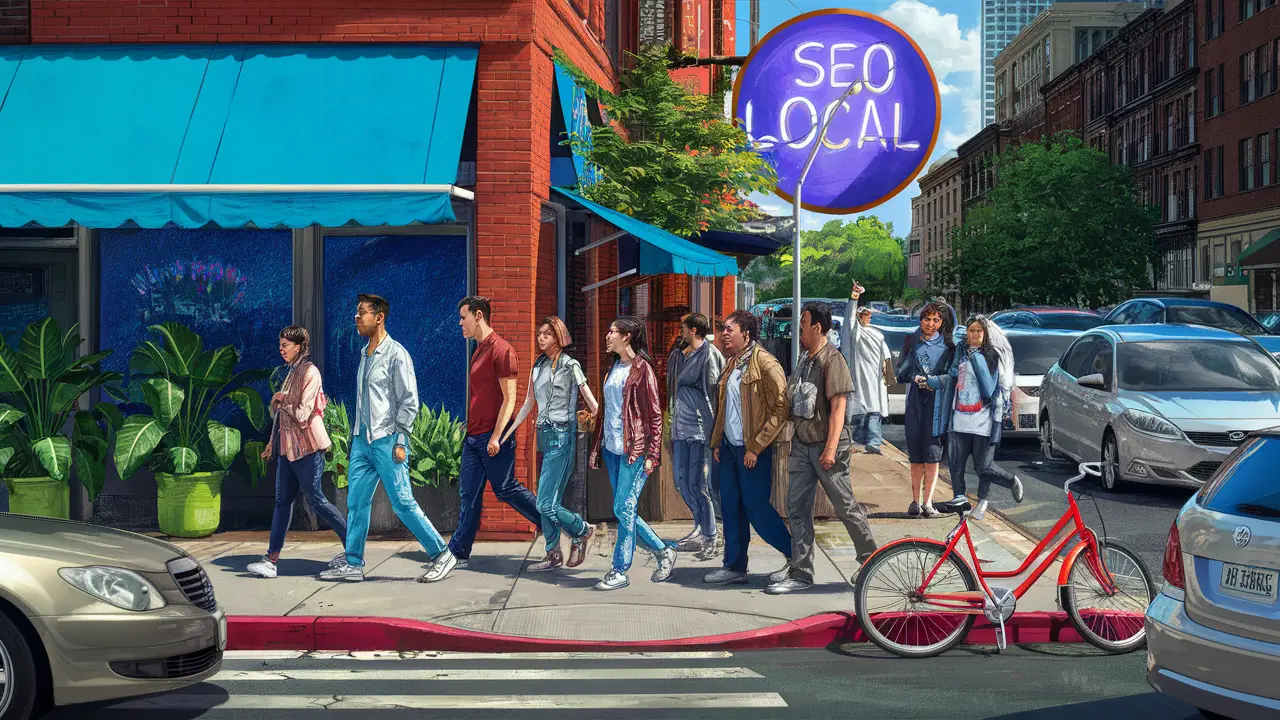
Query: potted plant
pixel 189 452
pixel 39 387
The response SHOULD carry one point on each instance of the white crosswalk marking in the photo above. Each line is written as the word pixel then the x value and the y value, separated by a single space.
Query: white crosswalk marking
pixel 508 674
pixel 601 701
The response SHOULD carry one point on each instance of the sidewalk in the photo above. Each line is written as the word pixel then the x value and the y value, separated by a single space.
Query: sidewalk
pixel 495 595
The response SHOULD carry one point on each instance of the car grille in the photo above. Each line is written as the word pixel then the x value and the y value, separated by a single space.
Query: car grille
pixel 1215 439
pixel 1203 470
pixel 1027 420
pixel 170 668
pixel 194 583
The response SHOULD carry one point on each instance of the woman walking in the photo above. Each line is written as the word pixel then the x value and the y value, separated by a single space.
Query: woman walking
pixel 923 367
pixel 983 376
pixel 298 434
pixel 554 384
pixel 629 438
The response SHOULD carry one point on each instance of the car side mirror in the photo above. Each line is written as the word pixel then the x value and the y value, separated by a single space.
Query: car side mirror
pixel 1095 381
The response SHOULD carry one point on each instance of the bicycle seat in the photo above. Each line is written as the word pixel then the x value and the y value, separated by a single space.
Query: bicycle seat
pixel 954 506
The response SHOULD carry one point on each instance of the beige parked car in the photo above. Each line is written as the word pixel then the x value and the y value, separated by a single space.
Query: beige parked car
pixel 88 613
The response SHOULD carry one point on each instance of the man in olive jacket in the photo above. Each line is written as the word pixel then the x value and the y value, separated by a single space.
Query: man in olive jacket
pixel 751 414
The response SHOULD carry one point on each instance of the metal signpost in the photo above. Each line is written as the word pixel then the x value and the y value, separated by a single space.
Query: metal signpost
pixel 878 96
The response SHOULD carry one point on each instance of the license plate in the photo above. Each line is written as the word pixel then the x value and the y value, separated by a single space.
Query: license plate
pixel 1250 583
pixel 222 633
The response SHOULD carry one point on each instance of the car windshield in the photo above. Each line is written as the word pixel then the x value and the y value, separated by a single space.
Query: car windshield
pixel 1196 366
pixel 1219 317
pixel 1050 320
pixel 1246 486
pixel 1035 354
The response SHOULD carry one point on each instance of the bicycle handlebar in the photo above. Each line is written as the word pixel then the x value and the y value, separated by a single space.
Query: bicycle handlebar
pixel 1089 468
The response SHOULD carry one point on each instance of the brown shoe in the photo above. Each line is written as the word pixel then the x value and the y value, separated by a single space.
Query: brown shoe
pixel 578 550
pixel 553 560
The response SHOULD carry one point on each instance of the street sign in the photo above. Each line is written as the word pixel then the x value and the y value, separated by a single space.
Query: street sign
pixel 877 140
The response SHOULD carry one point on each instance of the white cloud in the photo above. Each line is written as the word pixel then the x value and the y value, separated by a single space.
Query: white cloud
pixel 972 110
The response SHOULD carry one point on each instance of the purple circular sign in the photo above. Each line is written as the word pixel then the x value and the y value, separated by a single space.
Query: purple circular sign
pixel 877 140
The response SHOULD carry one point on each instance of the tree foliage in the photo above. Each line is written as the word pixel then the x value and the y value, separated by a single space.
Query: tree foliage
pixel 832 257
pixel 675 161
pixel 1061 226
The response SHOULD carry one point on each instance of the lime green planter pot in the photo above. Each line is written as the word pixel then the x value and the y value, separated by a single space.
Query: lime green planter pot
pixel 41 496
pixel 189 506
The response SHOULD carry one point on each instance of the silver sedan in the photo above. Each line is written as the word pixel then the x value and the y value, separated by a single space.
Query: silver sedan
pixel 1157 403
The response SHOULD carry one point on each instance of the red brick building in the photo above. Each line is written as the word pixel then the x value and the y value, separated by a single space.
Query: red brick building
pixel 519 240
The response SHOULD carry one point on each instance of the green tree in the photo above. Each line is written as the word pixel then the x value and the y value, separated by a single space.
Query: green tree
pixel 835 255
pixel 675 161
pixel 1062 226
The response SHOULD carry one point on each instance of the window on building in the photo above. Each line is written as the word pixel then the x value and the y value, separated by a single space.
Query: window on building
pixel 1247 9
pixel 1215 11
pixel 613 30
pixel 1189 34
pixel 656 22
pixel 1264 160
pixel 1213 82
pixel 1248 81
pixel 1189 191
pixel 1170 141
pixel 1266 70
pixel 1190 105
pixel 1213 173
pixel 1235 252
pixel 1246 165
pixel 1082 45
pixel 1205 265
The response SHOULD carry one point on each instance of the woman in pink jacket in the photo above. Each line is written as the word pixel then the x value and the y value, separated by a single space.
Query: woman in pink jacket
pixel 299 434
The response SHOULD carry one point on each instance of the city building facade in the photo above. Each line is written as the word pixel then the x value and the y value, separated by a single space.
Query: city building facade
pixel 1002 20
pixel 915 257
pixel 941 212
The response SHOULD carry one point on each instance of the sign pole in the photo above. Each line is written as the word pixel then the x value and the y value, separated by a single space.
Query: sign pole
pixel 854 88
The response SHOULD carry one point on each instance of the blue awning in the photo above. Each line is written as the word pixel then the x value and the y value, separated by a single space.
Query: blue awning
pixel 572 168
pixel 739 243
pixel 660 252
pixel 232 135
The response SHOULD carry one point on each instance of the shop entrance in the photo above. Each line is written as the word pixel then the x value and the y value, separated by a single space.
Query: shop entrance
pixel 1264 289
pixel 37 280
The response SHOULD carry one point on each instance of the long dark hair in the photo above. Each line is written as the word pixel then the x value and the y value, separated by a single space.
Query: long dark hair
pixel 634 326
pixel 944 311
pixel 987 350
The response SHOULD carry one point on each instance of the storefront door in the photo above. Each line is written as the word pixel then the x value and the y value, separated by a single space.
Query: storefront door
pixel 1264 290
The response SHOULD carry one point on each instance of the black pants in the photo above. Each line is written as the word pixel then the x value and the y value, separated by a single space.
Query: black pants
pixel 965 445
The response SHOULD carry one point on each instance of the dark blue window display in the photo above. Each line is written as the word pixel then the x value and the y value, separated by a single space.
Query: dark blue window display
pixel 423 277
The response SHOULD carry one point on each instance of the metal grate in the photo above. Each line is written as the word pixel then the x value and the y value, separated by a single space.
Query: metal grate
pixel 194 583
pixel 1027 420
pixel 1216 439
pixel 1030 390
pixel 170 668
pixel 1203 470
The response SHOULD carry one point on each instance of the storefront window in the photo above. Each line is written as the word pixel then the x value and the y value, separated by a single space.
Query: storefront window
pixel 423 277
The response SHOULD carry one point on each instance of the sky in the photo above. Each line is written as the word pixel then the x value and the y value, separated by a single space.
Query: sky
pixel 947 31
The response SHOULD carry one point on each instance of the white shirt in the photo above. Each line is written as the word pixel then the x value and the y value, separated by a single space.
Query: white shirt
pixel 733 410
pixel 966 396
pixel 613 407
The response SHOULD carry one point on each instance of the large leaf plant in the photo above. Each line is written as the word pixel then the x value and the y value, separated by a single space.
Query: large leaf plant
pixel 435 447
pixel 39 386
pixel 182 383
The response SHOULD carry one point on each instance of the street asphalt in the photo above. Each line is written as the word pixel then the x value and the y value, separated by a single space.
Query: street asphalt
pixel 1138 516
pixel 1050 681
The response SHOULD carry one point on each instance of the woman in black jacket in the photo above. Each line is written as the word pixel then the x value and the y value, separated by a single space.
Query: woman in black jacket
pixel 923 368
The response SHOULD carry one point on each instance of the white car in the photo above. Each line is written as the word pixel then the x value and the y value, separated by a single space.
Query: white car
pixel 1034 352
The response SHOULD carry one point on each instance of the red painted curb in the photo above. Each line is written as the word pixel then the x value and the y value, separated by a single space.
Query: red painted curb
pixel 249 632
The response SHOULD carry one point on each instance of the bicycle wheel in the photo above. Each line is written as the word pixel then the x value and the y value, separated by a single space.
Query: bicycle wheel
pixel 1114 623
pixel 891 609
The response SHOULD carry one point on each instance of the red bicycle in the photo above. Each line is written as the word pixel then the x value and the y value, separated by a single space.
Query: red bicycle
pixel 917 597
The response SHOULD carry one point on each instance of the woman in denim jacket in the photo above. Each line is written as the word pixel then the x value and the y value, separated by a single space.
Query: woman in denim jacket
pixel 923 368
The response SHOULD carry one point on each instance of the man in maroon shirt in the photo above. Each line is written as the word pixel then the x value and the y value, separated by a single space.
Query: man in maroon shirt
pixel 493 400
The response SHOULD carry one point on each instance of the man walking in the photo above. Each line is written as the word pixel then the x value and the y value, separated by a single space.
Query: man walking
pixel 386 405
pixel 750 413
pixel 690 382
pixel 869 362
pixel 819 389
pixel 485 459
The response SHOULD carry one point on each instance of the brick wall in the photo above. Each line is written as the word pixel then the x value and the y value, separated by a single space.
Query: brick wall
pixel 14 21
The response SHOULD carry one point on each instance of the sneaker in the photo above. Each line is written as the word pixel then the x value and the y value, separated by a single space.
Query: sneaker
pixel 725 576
pixel 578 549
pixel 788 586
pixel 780 575
pixel 928 510
pixel 1017 489
pixel 694 534
pixel 338 560
pixel 461 563
pixel 344 573
pixel 873 451
pixel 441 566
pixel 711 549
pixel 666 564
pixel 264 568
pixel 913 509
pixel 613 581
pixel 553 560
pixel 979 512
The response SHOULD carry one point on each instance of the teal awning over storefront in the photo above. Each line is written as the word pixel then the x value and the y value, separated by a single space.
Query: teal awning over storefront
pixel 575 111
pixel 262 135
pixel 1263 251
pixel 660 252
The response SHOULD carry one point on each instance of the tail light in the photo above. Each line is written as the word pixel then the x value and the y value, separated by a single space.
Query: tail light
pixel 1172 568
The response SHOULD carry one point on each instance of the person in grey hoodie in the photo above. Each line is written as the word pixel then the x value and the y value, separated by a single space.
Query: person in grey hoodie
pixel 690 382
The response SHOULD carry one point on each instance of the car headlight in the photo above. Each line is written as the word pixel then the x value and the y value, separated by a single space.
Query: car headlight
pixel 125 589
pixel 1151 423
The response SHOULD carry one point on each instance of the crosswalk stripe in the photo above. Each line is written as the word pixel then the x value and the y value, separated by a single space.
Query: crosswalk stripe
pixel 443 655
pixel 509 674
pixel 602 701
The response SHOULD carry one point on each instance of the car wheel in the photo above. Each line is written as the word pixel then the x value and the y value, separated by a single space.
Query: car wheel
pixel 1046 439
pixel 20 691
pixel 1110 462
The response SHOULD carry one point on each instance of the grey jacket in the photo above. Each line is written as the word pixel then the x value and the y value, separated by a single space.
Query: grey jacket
pixel 392 393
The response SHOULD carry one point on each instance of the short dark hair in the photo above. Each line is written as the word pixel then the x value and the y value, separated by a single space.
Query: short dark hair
pixel 746 322
pixel 820 313
pixel 699 324
pixel 298 335
pixel 378 305
pixel 477 304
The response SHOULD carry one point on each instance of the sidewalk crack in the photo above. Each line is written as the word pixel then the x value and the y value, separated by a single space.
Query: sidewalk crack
pixel 516 581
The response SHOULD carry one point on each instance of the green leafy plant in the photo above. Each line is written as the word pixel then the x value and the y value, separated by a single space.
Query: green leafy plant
pixel 182 383
pixel 39 386
pixel 338 425
pixel 435 447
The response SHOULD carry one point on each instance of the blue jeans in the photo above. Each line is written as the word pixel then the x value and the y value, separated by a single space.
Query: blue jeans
pixel 691 463
pixel 744 495
pixel 866 431
pixel 628 480
pixel 301 475
pixel 477 468
pixel 558 448
pixel 371 463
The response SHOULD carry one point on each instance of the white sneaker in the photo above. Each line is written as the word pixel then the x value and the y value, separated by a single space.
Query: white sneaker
pixel 345 573
pixel 440 568
pixel 338 560
pixel 780 575
pixel 666 564
pixel 613 581
pixel 264 568
pixel 979 512
pixel 1017 489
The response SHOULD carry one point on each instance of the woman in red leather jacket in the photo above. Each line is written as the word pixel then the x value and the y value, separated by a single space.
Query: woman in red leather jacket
pixel 629 438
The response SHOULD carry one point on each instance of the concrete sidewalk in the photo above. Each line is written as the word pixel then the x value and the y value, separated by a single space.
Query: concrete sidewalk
pixel 495 594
